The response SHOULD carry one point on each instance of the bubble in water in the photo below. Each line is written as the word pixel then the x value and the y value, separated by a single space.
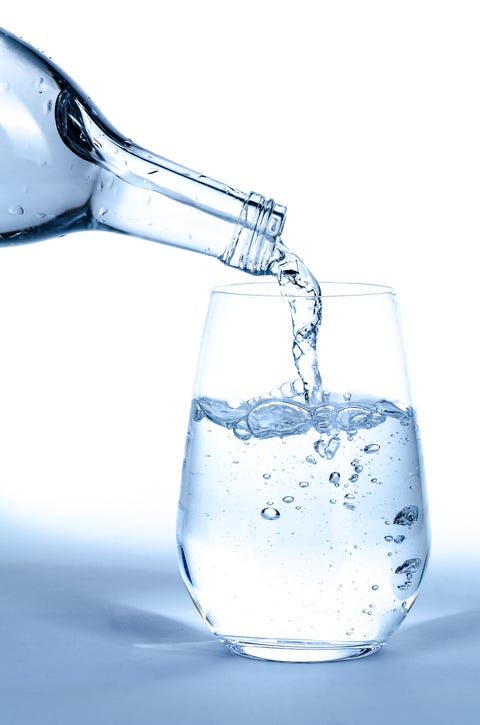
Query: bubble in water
pixel 349 506
pixel 16 209
pixel 304 484
pixel 323 417
pixel 197 411
pixel 353 477
pixel 310 459
pixel 371 448
pixel 288 499
pixel 242 431
pixel 333 500
pixel 347 397
pixel 349 495
pixel 275 418
pixel 407 516
pixel 399 539
pixel 375 587
pixel 332 447
pixel 409 566
pixel 335 478
pixel 270 514
pixel 388 538
pixel 266 476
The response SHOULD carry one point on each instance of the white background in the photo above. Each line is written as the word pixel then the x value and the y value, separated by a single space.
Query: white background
pixel 364 119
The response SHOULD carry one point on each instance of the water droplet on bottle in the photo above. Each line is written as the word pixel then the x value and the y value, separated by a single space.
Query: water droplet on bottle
pixel 288 499
pixel 270 514
pixel 304 484
pixel 375 587
pixel 16 209
pixel 399 539
pixel 335 478
pixel 371 448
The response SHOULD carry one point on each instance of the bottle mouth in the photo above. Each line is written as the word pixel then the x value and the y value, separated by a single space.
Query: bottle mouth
pixel 258 231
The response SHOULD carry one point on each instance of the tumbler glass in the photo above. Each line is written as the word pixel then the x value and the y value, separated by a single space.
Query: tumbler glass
pixel 302 527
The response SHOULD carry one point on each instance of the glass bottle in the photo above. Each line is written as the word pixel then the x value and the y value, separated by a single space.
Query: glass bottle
pixel 63 168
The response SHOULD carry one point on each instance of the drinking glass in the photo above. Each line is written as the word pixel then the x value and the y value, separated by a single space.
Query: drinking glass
pixel 302 527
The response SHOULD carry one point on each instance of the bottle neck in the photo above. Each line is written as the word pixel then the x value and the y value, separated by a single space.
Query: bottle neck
pixel 145 195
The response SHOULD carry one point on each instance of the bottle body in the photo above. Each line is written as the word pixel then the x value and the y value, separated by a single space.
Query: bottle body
pixel 63 168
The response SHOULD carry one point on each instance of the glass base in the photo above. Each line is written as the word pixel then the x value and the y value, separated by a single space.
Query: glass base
pixel 298 650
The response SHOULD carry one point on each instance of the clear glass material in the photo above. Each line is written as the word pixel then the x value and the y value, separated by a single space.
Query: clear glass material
pixel 302 528
pixel 63 168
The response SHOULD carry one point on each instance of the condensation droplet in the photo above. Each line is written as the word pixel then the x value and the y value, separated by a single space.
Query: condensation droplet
pixel 270 514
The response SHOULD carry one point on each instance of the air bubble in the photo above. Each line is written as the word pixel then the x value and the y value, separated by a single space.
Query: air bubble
pixel 388 538
pixel 333 500
pixel 335 478
pixel 242 431
pixel 399 539
pixel 266 476
pixel 407 516
pixel 16 209
pixel 375 587
pixel 409 566
pixel 332 447
pixel 353 477
pixel 288 499
pixel 270 514
pixel 304 484
pixel 371 448
pixel 347 397
pixel 310 459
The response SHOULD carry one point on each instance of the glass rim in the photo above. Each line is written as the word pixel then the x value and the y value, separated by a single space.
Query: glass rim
pixel 270 288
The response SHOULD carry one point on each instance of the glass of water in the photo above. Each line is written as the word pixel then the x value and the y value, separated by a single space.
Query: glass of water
pixel 302 528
